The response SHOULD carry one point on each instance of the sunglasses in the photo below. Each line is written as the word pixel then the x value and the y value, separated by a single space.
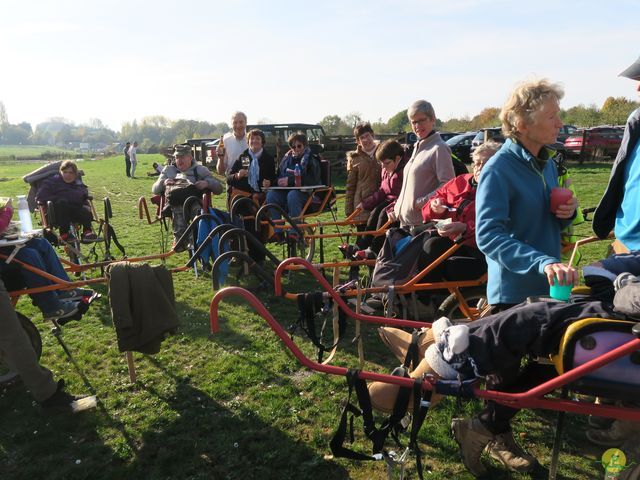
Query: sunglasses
pixel 297 147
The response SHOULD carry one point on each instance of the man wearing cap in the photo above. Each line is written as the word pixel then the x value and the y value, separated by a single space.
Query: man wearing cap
pixel 619 208
pixel 235 142
pixel 182 180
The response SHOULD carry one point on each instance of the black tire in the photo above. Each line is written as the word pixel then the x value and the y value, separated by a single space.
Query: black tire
pixel 8 376
pixel 450 307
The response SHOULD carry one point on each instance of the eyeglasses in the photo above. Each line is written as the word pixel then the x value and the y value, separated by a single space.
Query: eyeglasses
pixel 297 146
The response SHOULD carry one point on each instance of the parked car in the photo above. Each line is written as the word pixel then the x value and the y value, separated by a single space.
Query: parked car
pixel 565 132
pixel 461 146
pixel 494 133
pixel 447 135
pixel 594 142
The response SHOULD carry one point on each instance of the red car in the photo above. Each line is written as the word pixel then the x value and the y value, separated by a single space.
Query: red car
pixel 594 142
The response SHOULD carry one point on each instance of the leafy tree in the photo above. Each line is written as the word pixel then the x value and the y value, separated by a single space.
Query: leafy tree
pixel 615 111
pixel 488 117
pixel 15 135
pixel 352 119
pixel 582 116
pixel 399 122
pixel 222 128
pixel 333 125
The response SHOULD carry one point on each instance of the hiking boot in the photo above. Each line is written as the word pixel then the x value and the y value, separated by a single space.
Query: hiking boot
pixel 62 402
pixel 506 450
pixel 375 301
pixel 472 437
pixel 615 435
pixel 89 236
pixel 67 309
pixel 74 294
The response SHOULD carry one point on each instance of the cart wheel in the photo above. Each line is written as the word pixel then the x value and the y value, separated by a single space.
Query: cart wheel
pixel 450 307
pixel 8 376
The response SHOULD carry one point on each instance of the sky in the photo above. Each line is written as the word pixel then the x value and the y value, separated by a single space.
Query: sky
pixel 283 61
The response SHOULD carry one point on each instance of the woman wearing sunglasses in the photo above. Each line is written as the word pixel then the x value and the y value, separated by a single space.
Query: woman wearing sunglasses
pixel 298 160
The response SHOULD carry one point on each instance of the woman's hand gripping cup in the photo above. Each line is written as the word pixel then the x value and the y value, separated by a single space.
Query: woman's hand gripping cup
pixel 561 280
pixel 563 203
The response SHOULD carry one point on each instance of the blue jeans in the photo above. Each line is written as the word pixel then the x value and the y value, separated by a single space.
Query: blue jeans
pixel 291 201
pixel 39 253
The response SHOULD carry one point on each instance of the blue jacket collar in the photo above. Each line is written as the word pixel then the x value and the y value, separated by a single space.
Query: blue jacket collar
pixel 546 153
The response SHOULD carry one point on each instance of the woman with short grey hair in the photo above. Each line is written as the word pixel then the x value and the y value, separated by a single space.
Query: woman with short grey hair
pixel 421 106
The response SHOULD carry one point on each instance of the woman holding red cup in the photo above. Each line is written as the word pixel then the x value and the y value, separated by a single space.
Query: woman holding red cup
pixel 519 216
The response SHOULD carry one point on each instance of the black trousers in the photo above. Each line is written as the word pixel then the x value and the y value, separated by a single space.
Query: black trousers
pixel 127 166
pixel 66 213
pixel 377 218
pixel 498 344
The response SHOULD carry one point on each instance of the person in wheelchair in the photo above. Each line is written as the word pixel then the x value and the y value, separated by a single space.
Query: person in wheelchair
pixel 39 253
pixel 299 162
pixel 251 174
pixel 254 171
pixel 69 197
pixel 380 202
pixel 452 209
pixel 494 347
pixel 180 181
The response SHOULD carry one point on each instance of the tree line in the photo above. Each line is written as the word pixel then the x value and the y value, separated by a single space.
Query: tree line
pixel 157 131
pixel 614 111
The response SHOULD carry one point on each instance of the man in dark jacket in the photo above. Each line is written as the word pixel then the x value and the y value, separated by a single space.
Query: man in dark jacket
pixel 127 159
pixel 619 208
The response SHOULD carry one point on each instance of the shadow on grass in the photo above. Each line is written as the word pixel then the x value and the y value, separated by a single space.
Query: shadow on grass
pixel 208 440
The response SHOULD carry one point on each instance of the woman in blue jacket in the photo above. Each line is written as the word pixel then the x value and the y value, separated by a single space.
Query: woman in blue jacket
pixel 520 237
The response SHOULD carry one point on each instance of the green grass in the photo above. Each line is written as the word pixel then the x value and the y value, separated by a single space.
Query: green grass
pixel 234 405
pixel 29 150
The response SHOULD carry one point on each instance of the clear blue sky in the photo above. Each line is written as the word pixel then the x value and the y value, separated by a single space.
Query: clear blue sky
pixel 300 61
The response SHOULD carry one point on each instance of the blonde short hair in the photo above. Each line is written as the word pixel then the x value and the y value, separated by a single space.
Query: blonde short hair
pixel 525 100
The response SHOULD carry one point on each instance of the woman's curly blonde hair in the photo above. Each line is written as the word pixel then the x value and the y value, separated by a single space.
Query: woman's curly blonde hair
pixel 525 100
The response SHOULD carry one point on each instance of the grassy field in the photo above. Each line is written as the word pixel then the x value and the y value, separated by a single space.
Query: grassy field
pixel 29 150
pixel 230 406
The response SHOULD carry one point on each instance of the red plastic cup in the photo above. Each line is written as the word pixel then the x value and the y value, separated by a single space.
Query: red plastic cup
pixel 559 196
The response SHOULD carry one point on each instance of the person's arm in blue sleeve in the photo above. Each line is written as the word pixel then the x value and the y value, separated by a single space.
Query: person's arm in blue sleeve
pixel 492 234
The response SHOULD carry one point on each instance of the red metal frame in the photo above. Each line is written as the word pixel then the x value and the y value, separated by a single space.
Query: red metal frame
pixel 296 263
pixel 533 398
